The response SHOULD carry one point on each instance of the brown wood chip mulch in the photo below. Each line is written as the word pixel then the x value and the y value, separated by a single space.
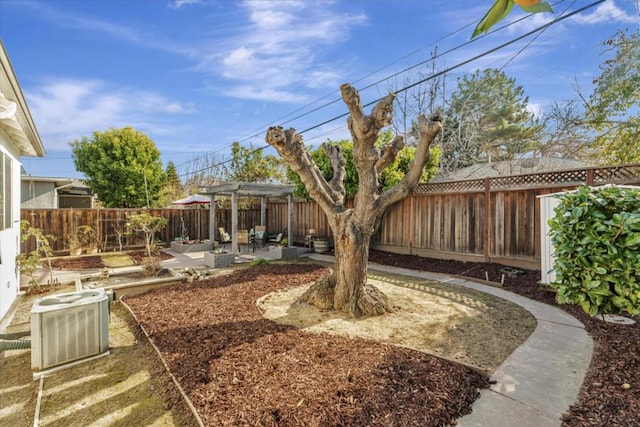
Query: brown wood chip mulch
pixel 604 399
pixel 86 262
pixel 241 369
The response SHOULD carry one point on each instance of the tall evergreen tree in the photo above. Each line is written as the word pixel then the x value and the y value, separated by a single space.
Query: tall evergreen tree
pixel 487 120
pixel 172 188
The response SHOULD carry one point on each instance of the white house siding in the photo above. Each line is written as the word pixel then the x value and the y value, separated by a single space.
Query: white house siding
pixel 9 237
pixel 18 137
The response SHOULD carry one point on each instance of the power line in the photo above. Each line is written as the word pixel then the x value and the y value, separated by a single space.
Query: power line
pixel 467 61
pixel 434 75
pixel 258 131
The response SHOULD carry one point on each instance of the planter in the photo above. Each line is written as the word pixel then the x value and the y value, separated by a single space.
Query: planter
pixel 282 252
pixel 191 247
pixel 75 251
pixel 321 246
pixel 218 260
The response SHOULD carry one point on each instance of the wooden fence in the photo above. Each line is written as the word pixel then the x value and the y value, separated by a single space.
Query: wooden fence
pixel 110 223
pixel 491 220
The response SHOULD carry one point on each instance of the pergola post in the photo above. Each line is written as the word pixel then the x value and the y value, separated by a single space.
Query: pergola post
pixel 290 219
pixel 212 218
pixel 263 210
pixel 234 222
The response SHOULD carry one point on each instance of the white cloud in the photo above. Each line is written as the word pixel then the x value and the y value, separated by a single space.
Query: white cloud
pixel 66 110
pixel 177 4
pixel 263 94
pixel 535 109
pixel 605 13
pixel 280 48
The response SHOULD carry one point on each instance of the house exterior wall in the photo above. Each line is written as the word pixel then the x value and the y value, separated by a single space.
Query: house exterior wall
pixel 18 137
pixel 38 194
pixel 10 236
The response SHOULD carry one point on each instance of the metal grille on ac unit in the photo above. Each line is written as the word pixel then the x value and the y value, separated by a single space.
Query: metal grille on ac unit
pixel 68 327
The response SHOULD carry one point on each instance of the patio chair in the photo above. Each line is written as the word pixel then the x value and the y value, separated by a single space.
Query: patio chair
pixel 260 235
pixel 224 236
pixel 278 237
pixel 244 239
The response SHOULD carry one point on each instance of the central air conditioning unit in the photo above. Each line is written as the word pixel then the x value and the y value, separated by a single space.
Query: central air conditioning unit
pixel 68 327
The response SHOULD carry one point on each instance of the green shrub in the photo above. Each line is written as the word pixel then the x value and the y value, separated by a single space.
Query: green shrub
pixel 29 263
pixel 596 236
pixel 259 261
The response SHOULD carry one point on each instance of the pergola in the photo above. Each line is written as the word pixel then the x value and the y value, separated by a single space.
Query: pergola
pixel 247 189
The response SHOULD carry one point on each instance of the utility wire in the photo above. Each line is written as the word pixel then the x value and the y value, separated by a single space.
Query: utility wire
pixel 258 131
pixel 432 76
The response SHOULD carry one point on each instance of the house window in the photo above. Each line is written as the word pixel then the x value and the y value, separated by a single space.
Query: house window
pixel 5 192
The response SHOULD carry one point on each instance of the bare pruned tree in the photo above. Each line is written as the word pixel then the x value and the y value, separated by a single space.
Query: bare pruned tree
pixel 346 288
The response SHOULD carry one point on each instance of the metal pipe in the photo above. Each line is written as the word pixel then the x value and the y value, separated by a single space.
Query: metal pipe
pixel 14 344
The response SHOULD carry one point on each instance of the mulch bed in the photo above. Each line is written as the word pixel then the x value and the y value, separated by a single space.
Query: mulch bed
pixel 241 369
pixel 603 401
pixel 87 262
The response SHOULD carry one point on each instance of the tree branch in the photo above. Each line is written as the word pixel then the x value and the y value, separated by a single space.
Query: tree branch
pixel 338 162
pixel 389 153
pixel 291 148
pixel 362 127
pixel 429 129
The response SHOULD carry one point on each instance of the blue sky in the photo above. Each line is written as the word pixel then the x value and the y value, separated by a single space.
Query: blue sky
pixel 196 75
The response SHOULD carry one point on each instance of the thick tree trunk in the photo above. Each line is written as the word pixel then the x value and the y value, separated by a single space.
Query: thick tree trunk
pixel 346 288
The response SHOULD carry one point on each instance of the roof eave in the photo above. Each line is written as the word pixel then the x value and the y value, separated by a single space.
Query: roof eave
pixel 20 127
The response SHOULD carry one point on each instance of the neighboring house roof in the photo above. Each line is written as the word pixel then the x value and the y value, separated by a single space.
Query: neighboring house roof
pixel 15 117
pixel 57 182
pixel 63 185
pixel 512 167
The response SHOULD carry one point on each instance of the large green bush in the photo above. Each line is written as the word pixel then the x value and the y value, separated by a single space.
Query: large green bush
pixel 596 236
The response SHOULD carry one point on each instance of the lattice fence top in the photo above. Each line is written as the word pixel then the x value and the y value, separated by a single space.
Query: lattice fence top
pixel 626 174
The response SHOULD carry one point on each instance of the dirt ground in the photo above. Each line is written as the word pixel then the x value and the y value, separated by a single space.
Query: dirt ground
pixel 459 324
pixel 128 387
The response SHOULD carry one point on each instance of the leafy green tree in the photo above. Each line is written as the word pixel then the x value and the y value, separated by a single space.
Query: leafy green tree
pixel 122 167
pixel 249 164
pixel 487 120
pixel 389 177
pixel 321 159
pixel 612 109
pixel 397 170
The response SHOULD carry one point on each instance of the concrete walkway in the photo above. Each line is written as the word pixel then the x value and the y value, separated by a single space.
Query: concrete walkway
pixel 541 378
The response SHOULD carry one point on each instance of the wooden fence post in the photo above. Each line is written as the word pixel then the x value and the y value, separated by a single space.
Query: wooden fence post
pixel 487 219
